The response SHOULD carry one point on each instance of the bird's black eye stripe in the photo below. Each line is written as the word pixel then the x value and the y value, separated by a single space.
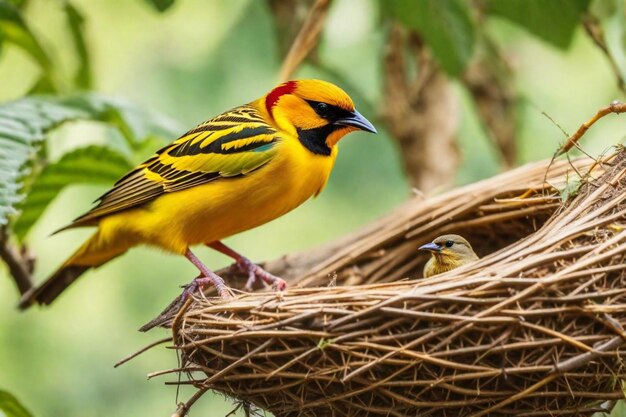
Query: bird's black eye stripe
pixel 328 111
pixel 449 243
pixel 321 109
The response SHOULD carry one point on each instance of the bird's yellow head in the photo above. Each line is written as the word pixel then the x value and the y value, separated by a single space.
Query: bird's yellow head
pixel 451 249
pixel 318 112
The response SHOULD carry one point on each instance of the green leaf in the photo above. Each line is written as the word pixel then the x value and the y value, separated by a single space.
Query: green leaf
pixel 554 21
pixel 18 3
pixel 161 5
pixel 136 125
pixel 10 12
pixel 11 407
pixel 42 86
pixel 23 126
pixel 446 26
pixel 324 343
pixel 89 165
pixel 571 188
pixel 76 23
pixel 25 123
pixel 15 30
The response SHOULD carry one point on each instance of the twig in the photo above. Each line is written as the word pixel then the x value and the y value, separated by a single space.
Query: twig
pixel 168 313
pixel 595 32
pixel 142 350
pixel 559 368
pixel 20 264
pixel 615 107
pixel 239 361
pixel 306 40
pixel 183 408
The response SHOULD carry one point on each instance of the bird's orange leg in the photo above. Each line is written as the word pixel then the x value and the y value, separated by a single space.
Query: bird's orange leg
pixel 206 277
pixel 247 266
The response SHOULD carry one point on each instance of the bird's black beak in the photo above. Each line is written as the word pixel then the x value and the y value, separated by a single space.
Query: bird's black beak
pixel 432 247
pixel 357 120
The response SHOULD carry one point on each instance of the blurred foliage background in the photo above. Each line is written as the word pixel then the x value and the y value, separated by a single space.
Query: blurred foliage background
pixel 133 74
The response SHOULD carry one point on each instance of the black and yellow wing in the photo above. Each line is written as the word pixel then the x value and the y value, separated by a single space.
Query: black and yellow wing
pixel 232 144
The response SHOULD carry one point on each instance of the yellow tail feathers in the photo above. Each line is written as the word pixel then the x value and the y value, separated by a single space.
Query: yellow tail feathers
pixel 93 253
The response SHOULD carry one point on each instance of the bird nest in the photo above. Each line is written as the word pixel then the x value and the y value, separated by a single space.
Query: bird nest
pixel 535 327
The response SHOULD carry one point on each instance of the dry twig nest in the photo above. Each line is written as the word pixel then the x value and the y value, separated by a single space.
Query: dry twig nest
pixel 533 328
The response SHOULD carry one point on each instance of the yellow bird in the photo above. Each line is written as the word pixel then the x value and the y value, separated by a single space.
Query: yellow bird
pixel 232 173
pixel 448 252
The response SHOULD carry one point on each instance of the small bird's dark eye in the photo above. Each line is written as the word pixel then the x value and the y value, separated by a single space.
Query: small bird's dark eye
pixel 321 109
pixel 449 243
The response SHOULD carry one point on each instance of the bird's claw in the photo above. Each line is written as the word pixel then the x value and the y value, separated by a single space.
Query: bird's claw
pixel 279 284
pixel 254 272
pixel 201 281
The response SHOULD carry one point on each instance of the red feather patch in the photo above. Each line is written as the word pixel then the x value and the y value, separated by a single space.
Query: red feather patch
pixel 271 99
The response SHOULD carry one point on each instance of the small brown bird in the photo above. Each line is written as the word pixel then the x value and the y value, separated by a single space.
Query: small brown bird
pixel 448 252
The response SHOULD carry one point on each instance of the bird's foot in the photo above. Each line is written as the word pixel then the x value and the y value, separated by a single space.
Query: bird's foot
pixel 197 284
pixel 255 272
pixel 202 281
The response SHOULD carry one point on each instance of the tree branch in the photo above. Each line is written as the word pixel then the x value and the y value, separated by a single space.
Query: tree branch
pixel 489 80
pixel 421 112
pixel 615 107
pixel 20 262
pixel 595 32
pixel 306 40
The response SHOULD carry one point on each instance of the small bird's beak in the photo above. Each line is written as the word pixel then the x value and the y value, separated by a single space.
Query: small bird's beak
pixel 357 120
pixel 432 247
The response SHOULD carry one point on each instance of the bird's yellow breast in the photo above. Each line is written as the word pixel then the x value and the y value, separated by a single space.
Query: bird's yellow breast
pixel 440 263
pixel 222 208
